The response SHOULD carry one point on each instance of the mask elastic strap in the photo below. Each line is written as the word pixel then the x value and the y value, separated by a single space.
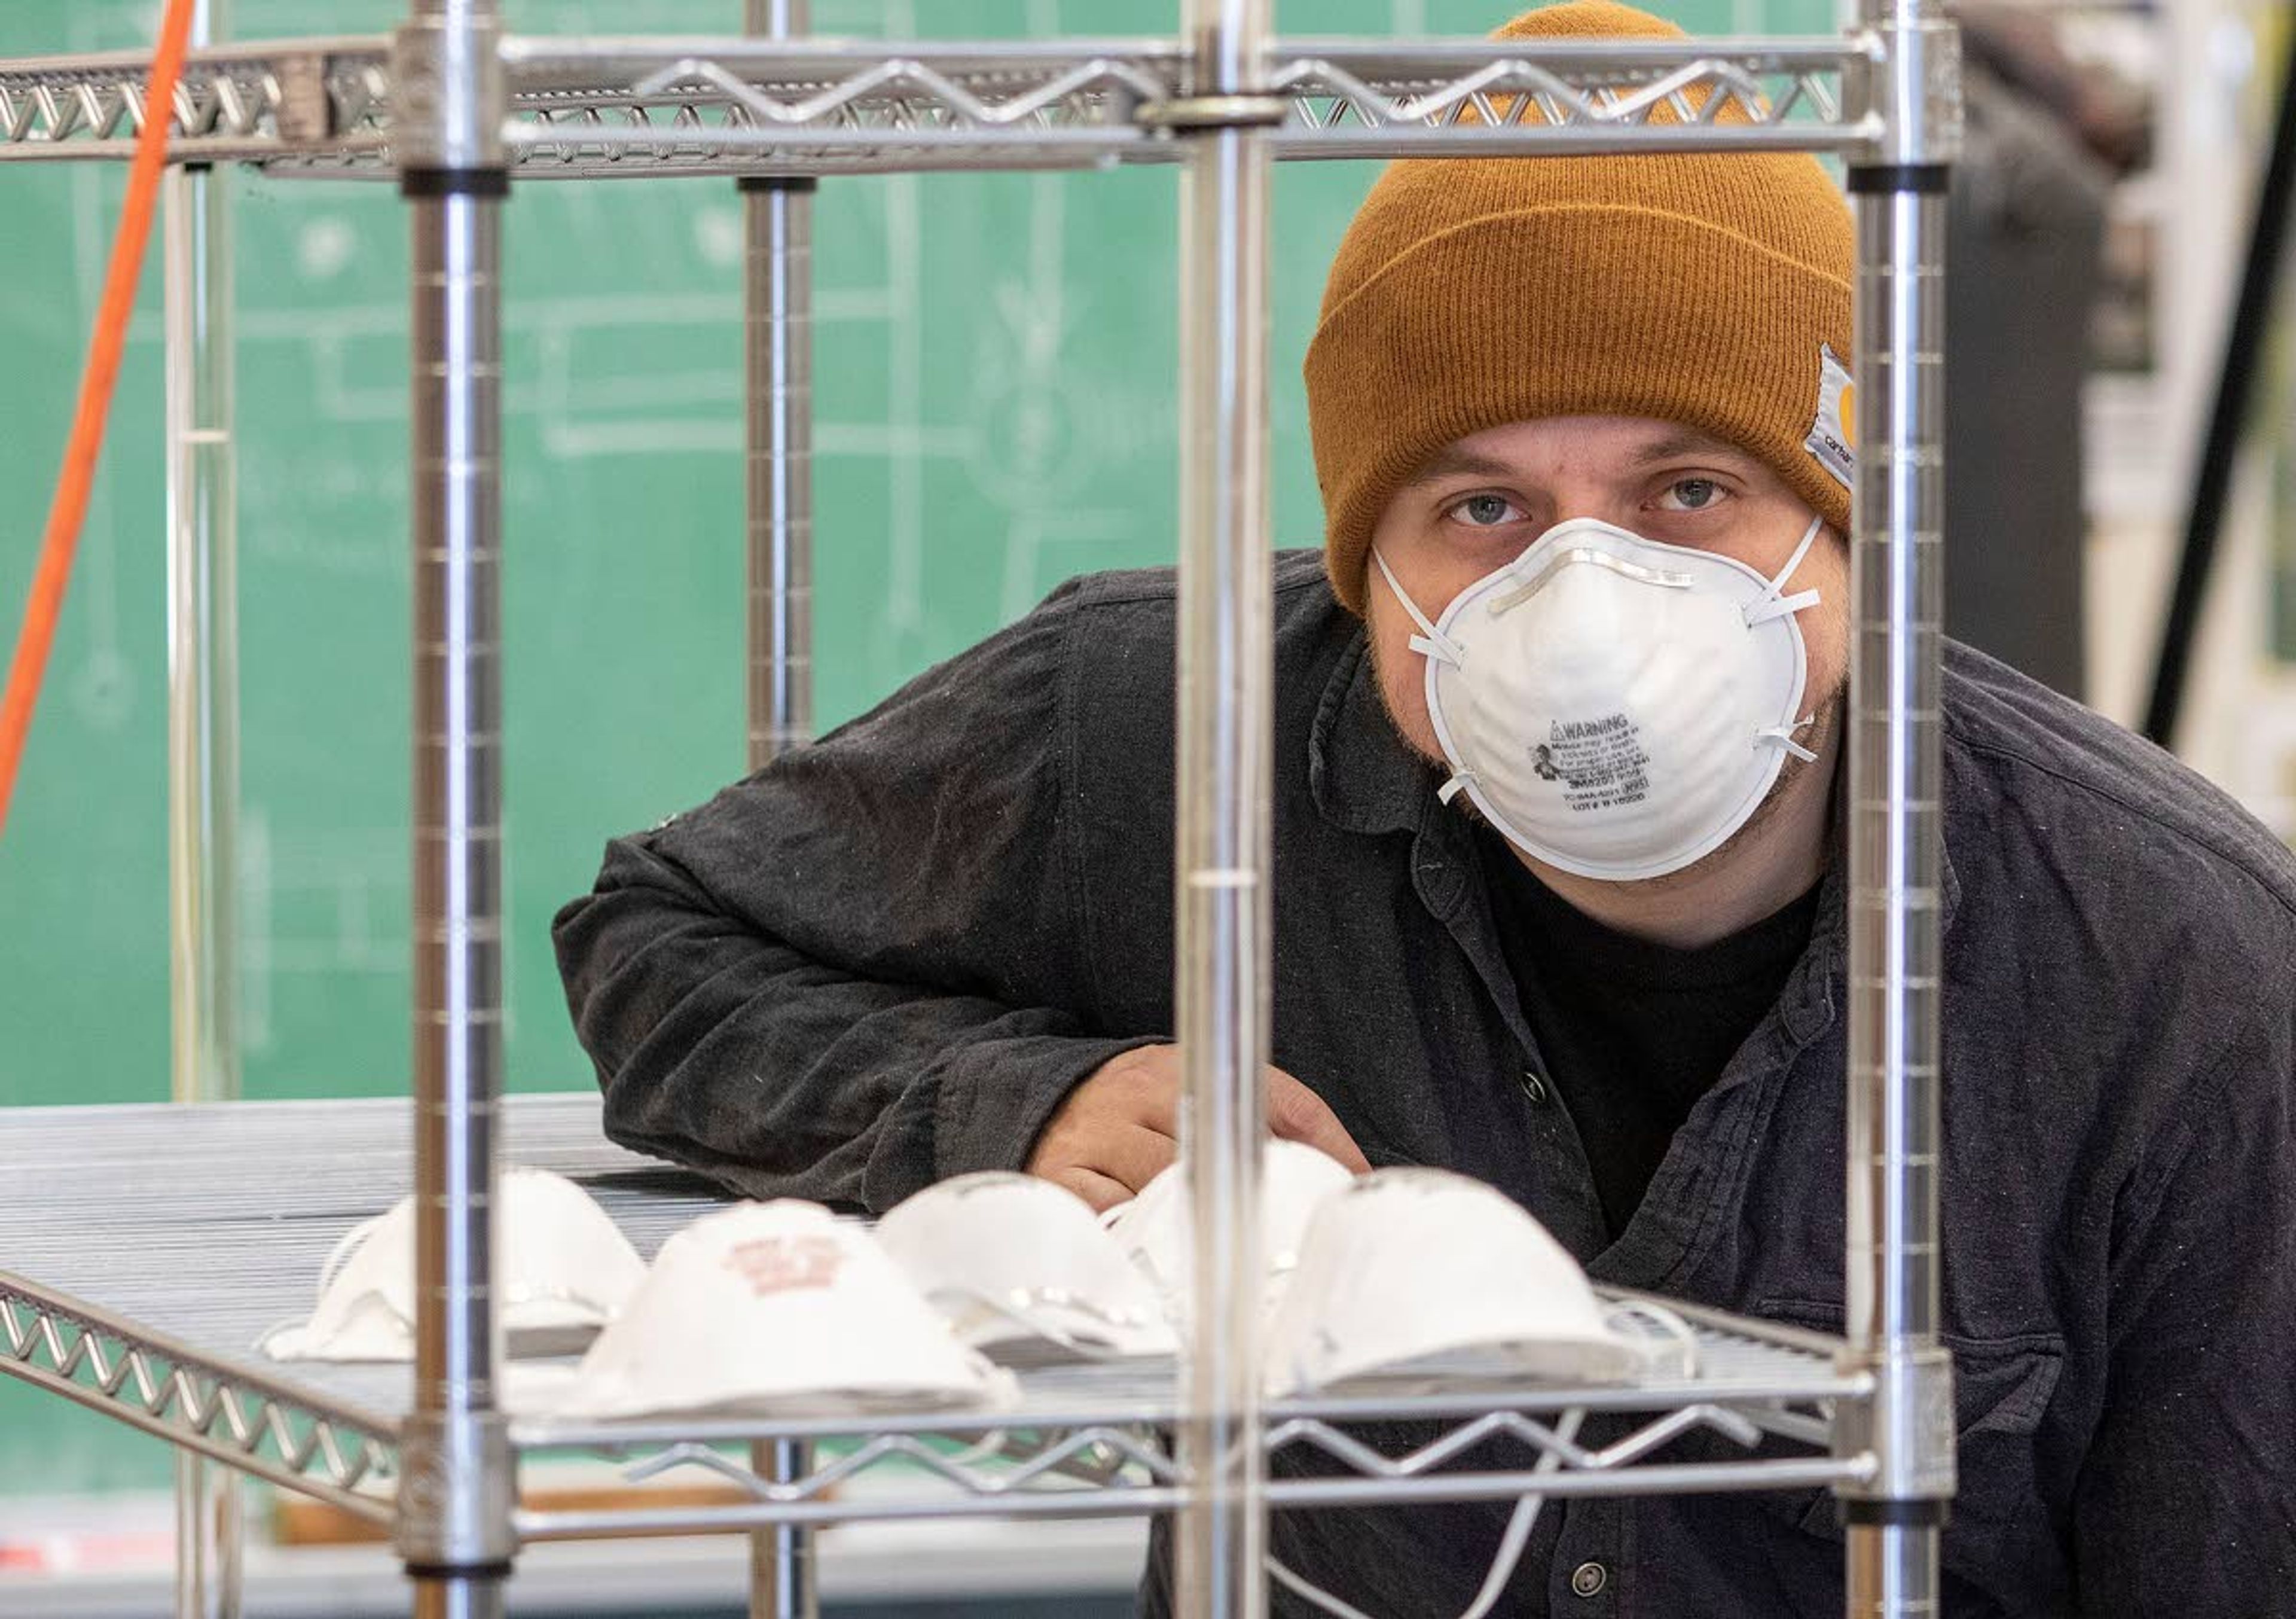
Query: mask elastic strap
pixel 303 1345
pixel 1451 789
pixel 1772 604
pixel 1783 736
pixel 278 1329
pixel 1430 642
pixel 1512 1542
pixel 1637 1318
pixel 345 1245
pixel 1089 1348
pixel 517 1292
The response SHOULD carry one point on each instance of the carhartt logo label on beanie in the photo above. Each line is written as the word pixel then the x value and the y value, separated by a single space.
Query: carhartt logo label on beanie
pixel 1471 292
pixel 1832 432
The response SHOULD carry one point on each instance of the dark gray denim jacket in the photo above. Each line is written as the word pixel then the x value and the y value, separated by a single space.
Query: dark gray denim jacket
pixel 885 960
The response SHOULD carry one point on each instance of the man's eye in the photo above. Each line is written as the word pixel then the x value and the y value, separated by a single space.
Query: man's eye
pixel 1692 494
pixel 1485 510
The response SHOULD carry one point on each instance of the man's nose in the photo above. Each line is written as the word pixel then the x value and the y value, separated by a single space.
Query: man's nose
pixel 1590 509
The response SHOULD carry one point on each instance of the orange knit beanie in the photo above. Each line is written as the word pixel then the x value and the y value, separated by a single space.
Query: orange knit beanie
pixel 1469 292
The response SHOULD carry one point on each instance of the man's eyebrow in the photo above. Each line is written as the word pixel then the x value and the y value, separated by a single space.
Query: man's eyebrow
pixel 1455 462
pixel 1684 443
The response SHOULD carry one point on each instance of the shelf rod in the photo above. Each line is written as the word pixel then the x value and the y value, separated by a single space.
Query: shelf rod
pixel 1223 873
pixel 203 754
pixel 777 298
pixel 458 1482
pixel 1895 834
pixel 1672 1479
pixel 777 490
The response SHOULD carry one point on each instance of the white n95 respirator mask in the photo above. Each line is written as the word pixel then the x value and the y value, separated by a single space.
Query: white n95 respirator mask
pixel 1022 1270
pixel 780 1308
pixel 1614 706
pixel 565 1269
pixel 1152 1229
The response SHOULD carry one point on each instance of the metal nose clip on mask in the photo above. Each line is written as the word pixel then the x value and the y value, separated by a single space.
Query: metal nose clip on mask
pixel 1615 706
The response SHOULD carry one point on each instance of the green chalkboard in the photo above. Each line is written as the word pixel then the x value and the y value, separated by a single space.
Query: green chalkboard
pixel 995 360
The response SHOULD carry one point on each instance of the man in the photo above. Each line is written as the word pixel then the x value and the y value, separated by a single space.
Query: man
pixel 1579 430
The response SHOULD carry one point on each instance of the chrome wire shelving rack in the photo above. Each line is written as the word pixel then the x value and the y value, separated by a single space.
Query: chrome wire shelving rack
pixel 154 1293
pixel 455 111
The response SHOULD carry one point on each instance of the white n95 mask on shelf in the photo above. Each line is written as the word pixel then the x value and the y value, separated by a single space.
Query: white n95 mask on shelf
pixel 782 1309
pixel 1014 1260
pixel 1614 706
pixel 562 1270
pixel 1152 1229
pixel 1412 1277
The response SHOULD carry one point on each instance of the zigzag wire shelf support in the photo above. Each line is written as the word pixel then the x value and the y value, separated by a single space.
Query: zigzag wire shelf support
pixel 596 108
pixel 1133 1474
pixel 263 1426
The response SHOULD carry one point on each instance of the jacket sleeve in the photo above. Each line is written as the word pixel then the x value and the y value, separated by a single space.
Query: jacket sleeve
pixel 856 971
pixel 2186 1503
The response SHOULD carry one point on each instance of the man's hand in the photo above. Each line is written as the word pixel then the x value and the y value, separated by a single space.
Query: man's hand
pixel 1121 1126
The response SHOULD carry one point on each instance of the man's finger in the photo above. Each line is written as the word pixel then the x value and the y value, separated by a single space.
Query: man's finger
pixel 1142 1086
pixel 1114 1150
pixel 1132 1153
pixel 1159 1109
pixel 1297 1114
pixel 1095 1188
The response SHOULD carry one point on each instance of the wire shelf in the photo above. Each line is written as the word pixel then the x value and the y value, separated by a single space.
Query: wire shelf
pixel 601 108
pixel 167 1240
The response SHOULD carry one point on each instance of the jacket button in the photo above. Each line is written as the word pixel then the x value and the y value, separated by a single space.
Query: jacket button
pixel 1588 1579
pixel 1534 1087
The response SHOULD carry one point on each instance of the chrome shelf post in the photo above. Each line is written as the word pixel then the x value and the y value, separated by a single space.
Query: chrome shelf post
pixel 1223 689
pixel 1897 187
pixel 459 1476
pixel 203 751
pixel 777 311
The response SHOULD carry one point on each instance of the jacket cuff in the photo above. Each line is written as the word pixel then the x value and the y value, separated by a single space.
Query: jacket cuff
pixel 990 1102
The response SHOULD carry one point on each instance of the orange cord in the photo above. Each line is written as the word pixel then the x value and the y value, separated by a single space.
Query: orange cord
pixel 62 536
